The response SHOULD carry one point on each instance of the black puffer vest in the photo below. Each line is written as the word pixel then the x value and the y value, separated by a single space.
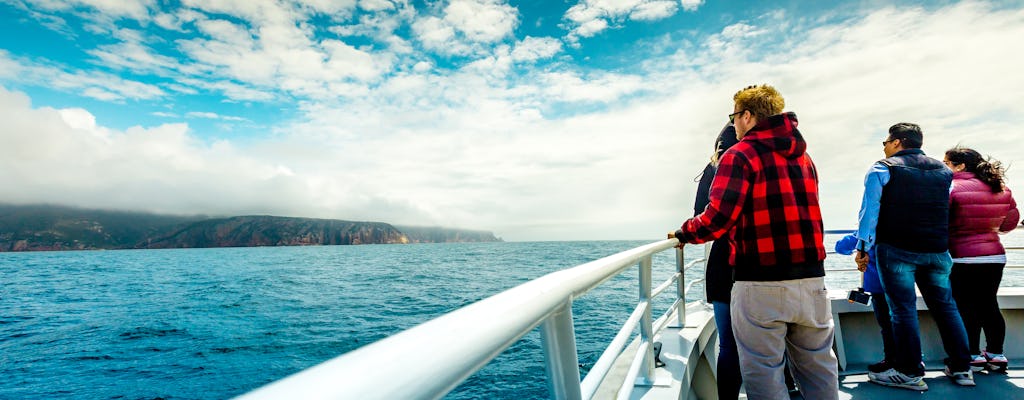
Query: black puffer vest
pixel 914 213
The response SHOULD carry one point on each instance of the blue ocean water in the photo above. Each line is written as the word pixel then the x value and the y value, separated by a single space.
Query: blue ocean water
pixel 216 323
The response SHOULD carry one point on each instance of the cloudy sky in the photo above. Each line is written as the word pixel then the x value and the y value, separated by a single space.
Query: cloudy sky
pixel 537 120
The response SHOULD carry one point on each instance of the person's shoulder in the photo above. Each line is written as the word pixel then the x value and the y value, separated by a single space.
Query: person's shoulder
pixel 878 167
pixel 969 184
pixel 741 152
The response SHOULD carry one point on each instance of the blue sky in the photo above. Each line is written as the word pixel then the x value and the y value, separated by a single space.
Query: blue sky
pixel 538 120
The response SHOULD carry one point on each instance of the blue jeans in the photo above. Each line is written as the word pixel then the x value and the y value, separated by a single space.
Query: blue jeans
pixel 729 378
pixel 899 269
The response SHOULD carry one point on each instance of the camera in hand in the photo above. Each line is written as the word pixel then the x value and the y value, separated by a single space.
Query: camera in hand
pixel 859 296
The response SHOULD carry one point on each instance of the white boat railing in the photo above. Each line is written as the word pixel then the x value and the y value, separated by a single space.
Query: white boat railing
pixel 440 354
pixel 1008 249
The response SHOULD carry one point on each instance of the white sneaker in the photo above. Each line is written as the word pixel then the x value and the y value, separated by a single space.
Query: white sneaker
pixel 965 378
pixel 894 378
pixel 978 363
pixel 996 362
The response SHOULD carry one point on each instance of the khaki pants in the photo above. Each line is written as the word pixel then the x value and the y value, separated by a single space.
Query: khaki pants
pixel 772 318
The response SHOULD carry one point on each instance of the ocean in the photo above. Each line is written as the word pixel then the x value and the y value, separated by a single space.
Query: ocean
pixel 217 323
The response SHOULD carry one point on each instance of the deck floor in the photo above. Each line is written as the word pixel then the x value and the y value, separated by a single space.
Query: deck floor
pixel 990 386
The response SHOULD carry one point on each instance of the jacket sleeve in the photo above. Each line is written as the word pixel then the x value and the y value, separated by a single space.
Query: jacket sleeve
pixel 1012 217
pixel 728 193
pixel 846 245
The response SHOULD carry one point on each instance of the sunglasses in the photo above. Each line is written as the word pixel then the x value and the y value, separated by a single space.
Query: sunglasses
pixel 732 117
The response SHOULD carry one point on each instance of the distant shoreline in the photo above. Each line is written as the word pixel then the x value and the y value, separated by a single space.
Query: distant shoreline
pixel 60 228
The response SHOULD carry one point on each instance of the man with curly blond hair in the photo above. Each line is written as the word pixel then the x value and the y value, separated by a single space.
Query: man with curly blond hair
pixel 764 200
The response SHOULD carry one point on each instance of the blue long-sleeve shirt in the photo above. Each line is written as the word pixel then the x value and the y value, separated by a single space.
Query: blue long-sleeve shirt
pixel 875 179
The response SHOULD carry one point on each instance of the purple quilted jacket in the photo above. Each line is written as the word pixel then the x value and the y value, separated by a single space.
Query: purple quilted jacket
pixel 976 216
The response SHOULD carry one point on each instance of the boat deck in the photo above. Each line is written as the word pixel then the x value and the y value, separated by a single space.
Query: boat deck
pixel 990 386
pixel 690 362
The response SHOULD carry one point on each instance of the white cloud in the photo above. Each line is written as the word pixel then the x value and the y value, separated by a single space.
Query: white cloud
pixel 197 114
pixel 98 85
pixel 69 159
pixel 339 9
pixel 534 48
pixel 588 28
pixel 231 90
pixel 466 27
pixel 421 67
pixel 481 20
pixel 591 17
pixel 175 21
pixel 132 54
pixel 137 9
pixel 654 10
pixel 691 5
pixel 433 32
pixel 212 115
pixel 564 86
pixel 274 53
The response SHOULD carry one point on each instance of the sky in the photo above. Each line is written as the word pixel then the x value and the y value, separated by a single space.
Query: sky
pixel 536 120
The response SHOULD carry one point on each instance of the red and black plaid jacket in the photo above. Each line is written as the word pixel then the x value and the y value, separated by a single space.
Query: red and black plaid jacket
pixel 764 199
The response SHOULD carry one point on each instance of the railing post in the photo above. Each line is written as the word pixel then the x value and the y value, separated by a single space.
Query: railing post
pixel 681 287
pixel 646 325
pixel 558 339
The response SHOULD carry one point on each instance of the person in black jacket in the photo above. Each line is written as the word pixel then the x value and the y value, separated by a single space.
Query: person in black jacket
pixel 718 278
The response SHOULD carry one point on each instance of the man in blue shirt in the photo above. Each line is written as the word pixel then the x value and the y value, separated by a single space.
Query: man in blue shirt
pixel 904 216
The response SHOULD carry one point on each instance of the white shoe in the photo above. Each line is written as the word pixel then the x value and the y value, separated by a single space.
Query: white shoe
pixel 996 362
pixel 894 378
pixel 965 378
pixel 978 363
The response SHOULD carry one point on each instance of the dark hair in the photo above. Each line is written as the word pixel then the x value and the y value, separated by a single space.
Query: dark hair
pixel 726 139
pixel 909 134
pixel 987 170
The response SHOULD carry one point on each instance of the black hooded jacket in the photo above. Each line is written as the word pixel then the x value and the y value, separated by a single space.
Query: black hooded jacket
pixel 718 273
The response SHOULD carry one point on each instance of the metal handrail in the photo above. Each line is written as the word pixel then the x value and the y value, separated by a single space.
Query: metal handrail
pixel 440 354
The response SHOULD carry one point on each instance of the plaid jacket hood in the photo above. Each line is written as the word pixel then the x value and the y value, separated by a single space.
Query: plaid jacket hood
pixel 764 199
pixel 779 134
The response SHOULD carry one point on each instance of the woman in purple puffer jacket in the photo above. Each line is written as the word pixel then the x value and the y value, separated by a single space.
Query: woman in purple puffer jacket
pixel 980 207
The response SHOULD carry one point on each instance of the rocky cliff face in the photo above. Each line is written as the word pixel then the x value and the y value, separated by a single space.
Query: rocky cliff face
pixel 252 231
pixel 48 227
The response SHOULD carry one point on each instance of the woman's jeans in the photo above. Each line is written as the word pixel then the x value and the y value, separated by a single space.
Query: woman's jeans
pixel 899 270
pixel 729 378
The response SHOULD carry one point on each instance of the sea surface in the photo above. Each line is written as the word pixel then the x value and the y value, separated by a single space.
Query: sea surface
pixel 217 323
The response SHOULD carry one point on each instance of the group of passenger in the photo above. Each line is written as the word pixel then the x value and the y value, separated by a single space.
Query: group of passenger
pixel 921 221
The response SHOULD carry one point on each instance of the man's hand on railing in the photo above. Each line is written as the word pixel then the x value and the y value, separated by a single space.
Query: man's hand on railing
pixel 672 235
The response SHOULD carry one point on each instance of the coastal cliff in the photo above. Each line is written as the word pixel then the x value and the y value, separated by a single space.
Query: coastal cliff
pixel 261 230
pixel 50 228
